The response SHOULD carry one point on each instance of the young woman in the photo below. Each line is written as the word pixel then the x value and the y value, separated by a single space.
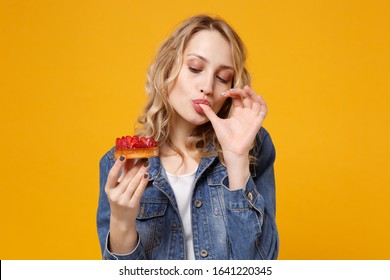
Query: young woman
pixel 210 194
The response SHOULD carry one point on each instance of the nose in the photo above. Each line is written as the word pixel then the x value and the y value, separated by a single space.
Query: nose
pixel 206 92
pixel 207 88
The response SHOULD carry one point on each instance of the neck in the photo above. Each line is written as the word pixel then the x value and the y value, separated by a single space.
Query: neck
pixel 180 132
pixel 172 161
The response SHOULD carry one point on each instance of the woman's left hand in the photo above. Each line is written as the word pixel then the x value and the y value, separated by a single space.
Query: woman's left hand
pixel 236 133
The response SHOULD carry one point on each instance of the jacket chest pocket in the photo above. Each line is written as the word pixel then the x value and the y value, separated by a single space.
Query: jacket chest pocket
pixel 150 222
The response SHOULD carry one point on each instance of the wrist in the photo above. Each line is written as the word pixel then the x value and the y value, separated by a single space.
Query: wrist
pixel 122 225
pixel 236 160
pixel 238 171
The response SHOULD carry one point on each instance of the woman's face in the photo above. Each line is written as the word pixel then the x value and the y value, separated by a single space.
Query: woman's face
pixel 206 72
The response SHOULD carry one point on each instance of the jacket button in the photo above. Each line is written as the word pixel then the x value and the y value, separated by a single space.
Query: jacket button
pixel 204 253
pixel 249 196
pixel 198 203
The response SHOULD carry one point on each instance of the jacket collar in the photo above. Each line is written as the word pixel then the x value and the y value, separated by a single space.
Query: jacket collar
pixel 157 172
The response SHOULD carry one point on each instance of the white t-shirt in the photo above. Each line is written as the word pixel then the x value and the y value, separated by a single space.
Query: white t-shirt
pixel 183 188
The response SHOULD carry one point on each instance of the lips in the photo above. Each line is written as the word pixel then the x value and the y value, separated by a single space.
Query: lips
pixel 201 101
pixel 196 103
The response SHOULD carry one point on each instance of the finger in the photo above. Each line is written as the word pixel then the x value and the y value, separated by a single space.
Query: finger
pixel 259 104
pixel 257 100
pixel 252 94
pixel 246 99
pixel 236 98
pixel 129 164
pixel 210 114
pixel 130 174
pixel 113 175
pixel 139 191
pixel 135 181
pixel 240 97
pixel 263 108
pixel 237 102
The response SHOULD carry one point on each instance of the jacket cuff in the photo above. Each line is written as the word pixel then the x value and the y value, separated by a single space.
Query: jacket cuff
pixel 247 197
pixel 136 254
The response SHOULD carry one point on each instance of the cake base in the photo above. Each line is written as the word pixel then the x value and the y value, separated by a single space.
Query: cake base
pixel 136 153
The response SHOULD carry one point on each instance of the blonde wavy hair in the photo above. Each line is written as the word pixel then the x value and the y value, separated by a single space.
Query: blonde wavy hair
pixel 156 120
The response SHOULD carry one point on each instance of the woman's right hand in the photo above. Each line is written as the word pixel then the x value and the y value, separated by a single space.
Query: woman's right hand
pixel 124 195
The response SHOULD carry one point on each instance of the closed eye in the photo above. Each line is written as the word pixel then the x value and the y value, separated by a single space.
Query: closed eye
pixel 194 70
pixel 222 80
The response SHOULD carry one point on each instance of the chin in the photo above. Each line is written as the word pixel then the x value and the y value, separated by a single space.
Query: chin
pixel 198 123
pixel 198 120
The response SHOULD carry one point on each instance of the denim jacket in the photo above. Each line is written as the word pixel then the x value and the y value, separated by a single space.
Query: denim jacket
pixel 226 224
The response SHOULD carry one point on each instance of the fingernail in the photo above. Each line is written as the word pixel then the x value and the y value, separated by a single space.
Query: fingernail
pixel 146 162
pixel 146 175
pixel 122 158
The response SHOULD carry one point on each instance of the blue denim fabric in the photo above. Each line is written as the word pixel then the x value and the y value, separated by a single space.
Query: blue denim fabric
pixel 226 224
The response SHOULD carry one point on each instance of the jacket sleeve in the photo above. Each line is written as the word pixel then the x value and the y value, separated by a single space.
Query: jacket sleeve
pixel 250 212
pixel 104 212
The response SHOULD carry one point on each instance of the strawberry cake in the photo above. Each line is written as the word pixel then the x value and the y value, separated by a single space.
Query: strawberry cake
pixel 136 147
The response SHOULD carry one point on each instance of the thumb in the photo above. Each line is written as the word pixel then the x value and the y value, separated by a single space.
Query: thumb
pixel 209 113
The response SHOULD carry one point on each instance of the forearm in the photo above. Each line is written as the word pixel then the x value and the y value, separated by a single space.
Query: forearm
pixel 238 171
pixel 123 237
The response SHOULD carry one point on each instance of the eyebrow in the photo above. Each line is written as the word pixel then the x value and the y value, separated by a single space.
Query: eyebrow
pixel 223 66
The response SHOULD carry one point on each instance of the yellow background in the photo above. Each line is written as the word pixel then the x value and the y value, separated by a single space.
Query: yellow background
pixel 72 80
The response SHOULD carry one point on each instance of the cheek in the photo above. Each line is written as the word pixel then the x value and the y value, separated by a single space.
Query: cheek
pixel 177 86
pixel 184 76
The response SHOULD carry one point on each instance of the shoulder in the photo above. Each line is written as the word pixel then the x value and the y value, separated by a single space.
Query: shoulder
pixel 264 141
pixel 108 159
pixel 264 149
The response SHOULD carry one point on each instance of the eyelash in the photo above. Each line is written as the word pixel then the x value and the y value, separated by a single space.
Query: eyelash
pixel 222 80
pixel 194 70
